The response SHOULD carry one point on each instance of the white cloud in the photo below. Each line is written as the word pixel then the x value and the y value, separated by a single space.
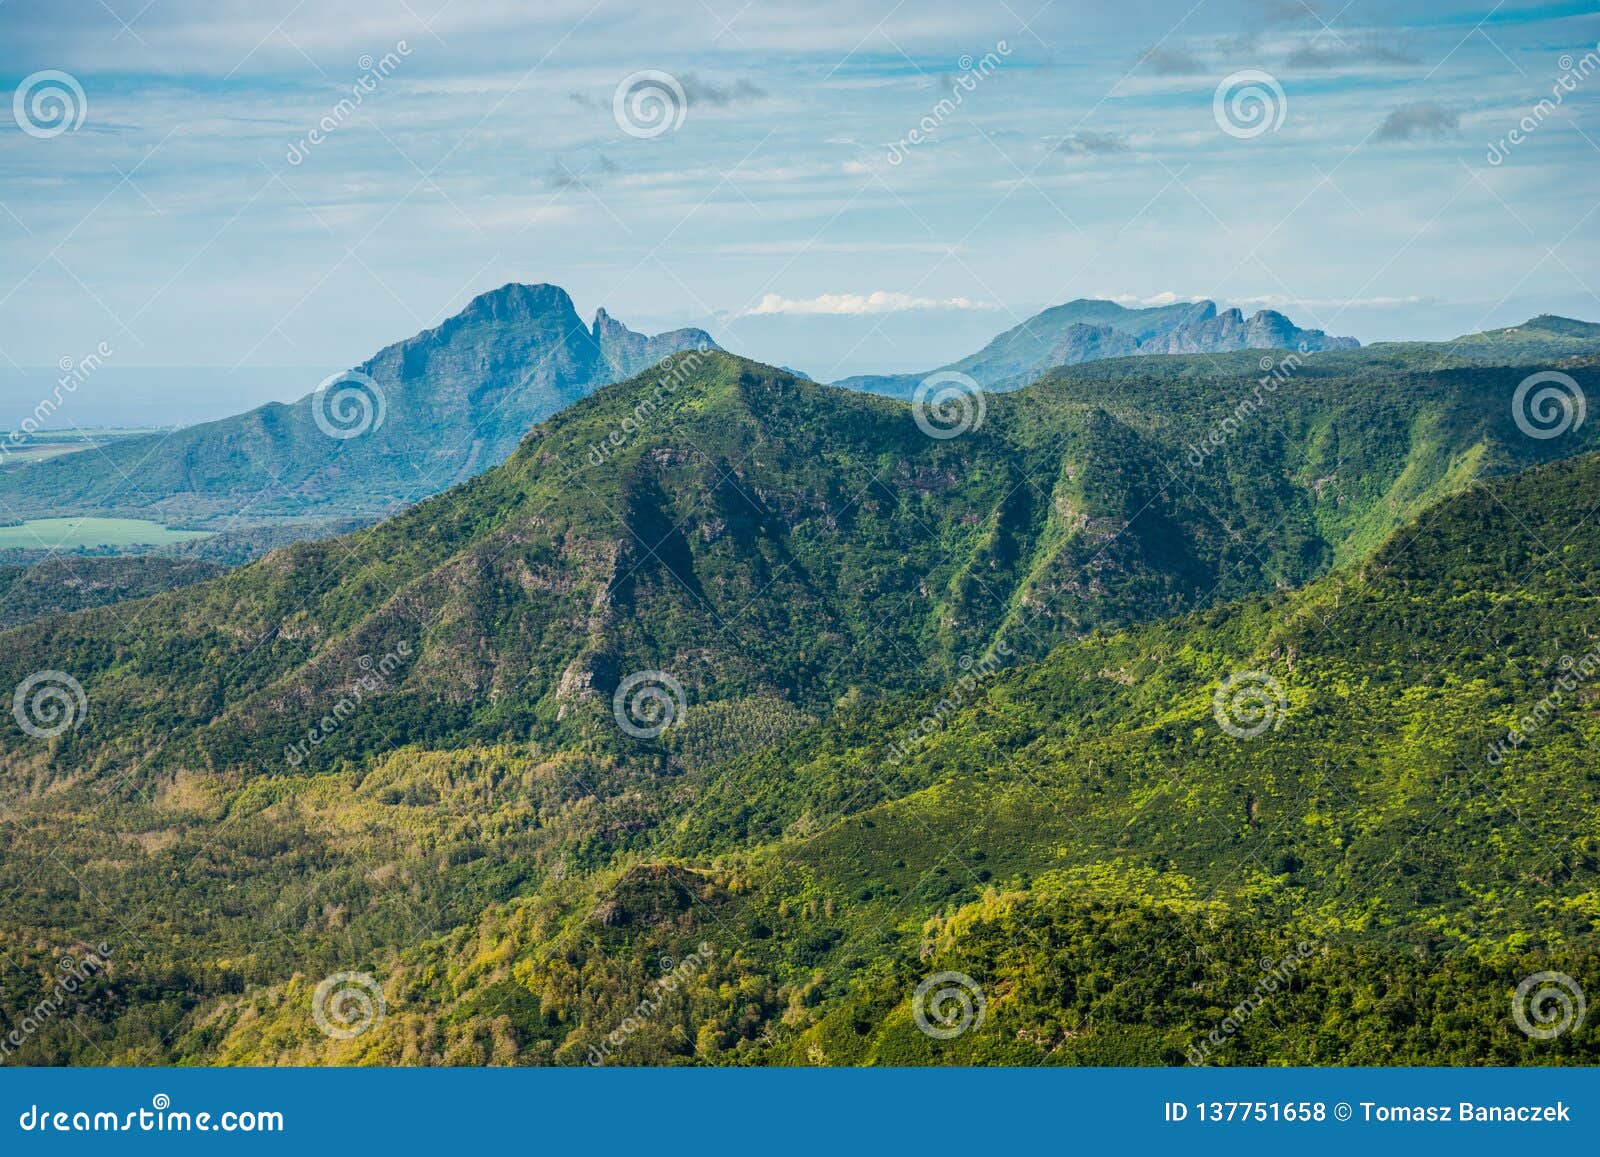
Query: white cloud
pixel 1278 300
pixel 1166 297
pixel 880 301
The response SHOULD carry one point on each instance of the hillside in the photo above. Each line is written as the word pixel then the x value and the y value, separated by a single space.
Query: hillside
pixel 1115 861
pixel 433 410
pixel 60 585
pixel 1089 330
pixel 358 744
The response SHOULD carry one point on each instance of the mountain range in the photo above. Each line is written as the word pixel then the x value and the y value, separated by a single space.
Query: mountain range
pixel 1088 330
pixel 450 402
pixel 909 702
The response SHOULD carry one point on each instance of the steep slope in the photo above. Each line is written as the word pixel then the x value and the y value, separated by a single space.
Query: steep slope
pixel 56 586
pixel 417 417
pixel 1337 826
pixel 369 739
pixel 1089 330
pixel 628 353
pixel 1229 330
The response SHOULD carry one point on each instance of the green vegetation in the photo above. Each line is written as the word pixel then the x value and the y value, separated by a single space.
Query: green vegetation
pixel 470 825
pixel 1114 870
pixel 45 444
pixel 54 586
pixel 68 533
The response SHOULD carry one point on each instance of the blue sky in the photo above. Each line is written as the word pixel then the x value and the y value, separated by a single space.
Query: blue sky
pixel 788 212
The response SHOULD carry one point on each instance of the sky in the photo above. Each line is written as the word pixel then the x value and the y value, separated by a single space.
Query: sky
pixel 262 193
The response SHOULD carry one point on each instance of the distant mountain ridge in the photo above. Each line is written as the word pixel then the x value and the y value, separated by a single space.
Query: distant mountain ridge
pixel 452 402
pixel 1089 329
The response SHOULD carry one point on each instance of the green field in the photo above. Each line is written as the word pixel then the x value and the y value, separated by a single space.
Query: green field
pixel 71 533
pixel 47 444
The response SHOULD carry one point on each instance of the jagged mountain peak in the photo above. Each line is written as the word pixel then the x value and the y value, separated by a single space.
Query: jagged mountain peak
pixel 453 400
pixel 516 298
pixel 1092 329
pixel 628 352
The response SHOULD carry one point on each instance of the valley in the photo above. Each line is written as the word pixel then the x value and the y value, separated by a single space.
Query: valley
pixel 933 705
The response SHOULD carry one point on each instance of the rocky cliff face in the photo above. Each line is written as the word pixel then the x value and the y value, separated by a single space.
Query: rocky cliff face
pixel 440 407
pixel 1230 330
pixel 1088 330
pixel 628 352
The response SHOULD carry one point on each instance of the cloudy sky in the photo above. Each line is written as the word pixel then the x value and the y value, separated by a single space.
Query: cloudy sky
pixel 842 186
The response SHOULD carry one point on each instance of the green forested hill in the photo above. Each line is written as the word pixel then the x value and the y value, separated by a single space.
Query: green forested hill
pixel 355 746
pixel 1117 873
pixel 59 585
